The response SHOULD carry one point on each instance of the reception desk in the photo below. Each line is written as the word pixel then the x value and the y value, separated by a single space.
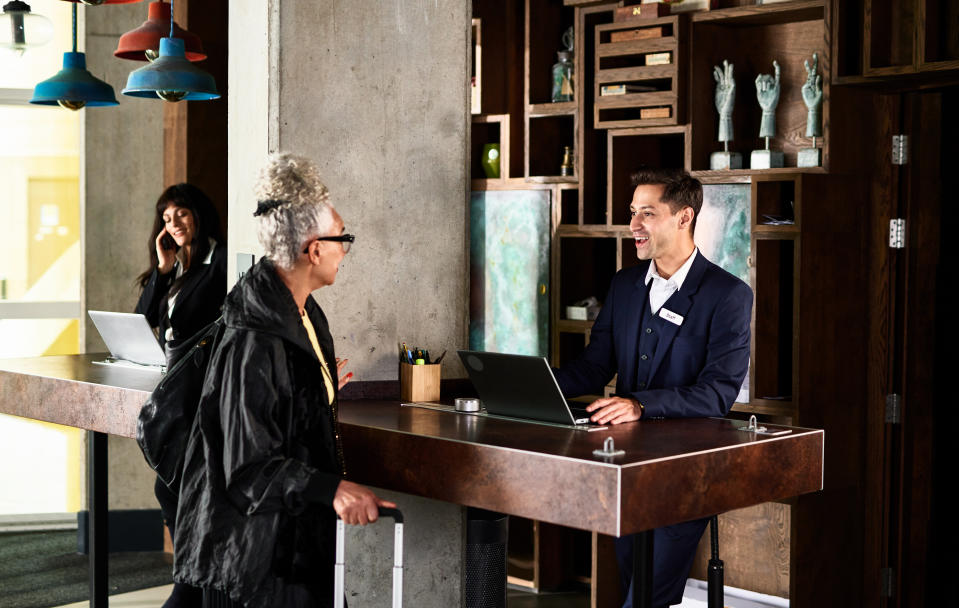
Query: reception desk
pixel 671 470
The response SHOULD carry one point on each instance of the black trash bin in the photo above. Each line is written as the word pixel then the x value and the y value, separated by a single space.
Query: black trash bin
pixel 486 535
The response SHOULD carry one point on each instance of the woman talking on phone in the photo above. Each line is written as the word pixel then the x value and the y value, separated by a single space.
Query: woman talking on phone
pixel 184 286
pixel 183 291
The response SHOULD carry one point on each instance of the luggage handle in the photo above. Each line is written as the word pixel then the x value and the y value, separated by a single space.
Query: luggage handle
pixel 396 514
pixel 339 568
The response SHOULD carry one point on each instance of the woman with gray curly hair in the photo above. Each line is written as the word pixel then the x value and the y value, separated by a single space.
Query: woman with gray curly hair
pixel 264 477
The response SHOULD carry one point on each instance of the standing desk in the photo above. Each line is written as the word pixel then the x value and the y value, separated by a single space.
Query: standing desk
pixel 672 470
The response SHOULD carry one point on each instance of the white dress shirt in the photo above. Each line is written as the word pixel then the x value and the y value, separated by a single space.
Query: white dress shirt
pixel 662 289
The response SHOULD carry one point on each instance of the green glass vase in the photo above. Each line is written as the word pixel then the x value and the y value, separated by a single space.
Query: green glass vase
pixel 490 161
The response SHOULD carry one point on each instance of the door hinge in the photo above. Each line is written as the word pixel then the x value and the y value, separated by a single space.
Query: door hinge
pixel 900 149
pixel 893 408
pixel 897 233
pixel 887 581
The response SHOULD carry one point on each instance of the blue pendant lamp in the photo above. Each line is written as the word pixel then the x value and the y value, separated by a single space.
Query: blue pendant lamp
pixel 74 87
pixel 171 77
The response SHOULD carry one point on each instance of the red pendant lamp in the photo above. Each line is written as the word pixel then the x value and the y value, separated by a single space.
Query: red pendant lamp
pixel 135 43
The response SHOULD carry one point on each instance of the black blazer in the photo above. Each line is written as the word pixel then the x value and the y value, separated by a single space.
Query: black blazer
pixel 197 304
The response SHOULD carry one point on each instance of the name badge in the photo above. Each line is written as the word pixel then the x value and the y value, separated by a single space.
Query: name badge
pixel 671 316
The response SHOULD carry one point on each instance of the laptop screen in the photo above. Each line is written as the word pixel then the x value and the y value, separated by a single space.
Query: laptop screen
pixel 520 386
pixel 129 337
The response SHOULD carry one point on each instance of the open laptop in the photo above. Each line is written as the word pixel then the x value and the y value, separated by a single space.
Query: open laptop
pixel 521 386
pixel 129 338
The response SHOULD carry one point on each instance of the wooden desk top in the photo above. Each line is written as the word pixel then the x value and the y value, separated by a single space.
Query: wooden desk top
pixel 72 390
pixel 673 470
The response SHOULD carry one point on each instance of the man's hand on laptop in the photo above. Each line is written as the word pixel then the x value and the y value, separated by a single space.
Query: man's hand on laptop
pixel 614 410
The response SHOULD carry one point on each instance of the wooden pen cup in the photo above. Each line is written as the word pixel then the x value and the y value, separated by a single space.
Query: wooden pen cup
pixel 420 382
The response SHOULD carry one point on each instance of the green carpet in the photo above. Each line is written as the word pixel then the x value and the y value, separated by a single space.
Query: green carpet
pixel 42 569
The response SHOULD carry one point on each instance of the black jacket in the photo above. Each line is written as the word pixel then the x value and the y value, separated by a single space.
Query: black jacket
pixel 263 461
pixel 197 304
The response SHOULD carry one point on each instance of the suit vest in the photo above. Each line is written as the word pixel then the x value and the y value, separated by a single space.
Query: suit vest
pixel 650 329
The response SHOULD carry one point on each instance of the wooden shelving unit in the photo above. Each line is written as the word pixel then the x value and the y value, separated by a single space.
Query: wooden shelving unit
pixel 800 219
pixel 879 41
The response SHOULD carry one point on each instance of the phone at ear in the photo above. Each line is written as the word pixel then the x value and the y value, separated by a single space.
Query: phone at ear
pixel 167 242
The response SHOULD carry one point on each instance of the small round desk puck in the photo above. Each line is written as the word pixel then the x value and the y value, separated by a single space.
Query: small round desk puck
pixel 464 404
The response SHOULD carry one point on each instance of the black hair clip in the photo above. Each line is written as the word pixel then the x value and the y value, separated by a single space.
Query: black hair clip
pixel 267 205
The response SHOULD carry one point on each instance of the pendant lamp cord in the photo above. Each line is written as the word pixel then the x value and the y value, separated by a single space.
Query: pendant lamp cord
pixel 171 18
pixel 74 28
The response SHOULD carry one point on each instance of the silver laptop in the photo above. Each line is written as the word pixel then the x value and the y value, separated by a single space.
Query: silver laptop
pixel 521 386
pixel 129 338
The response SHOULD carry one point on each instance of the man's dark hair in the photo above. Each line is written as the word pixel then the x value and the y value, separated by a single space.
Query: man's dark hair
pixel 680 189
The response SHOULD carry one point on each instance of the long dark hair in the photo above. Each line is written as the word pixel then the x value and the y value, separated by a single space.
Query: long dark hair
pixel 206 225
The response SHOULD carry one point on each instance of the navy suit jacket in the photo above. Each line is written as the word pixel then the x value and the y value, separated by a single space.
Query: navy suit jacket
pixel 698 366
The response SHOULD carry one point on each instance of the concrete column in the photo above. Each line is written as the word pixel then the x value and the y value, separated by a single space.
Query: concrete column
pixel 250 117
pixel 376 94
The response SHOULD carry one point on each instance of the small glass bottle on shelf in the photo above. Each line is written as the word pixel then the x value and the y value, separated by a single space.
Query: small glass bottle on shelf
pixel 563 77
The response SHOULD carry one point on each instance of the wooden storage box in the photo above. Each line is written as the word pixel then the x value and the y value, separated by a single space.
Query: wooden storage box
pixel 649 10
pixel 420 382
pixel 640 73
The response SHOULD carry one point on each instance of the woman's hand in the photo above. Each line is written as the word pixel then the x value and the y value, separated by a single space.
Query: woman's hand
pixel 358 505
pixel 165 257
pixel 344 379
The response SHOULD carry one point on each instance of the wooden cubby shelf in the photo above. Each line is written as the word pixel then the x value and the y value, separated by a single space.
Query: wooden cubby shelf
pixel 573 326
pixel 489 129
pixel 788 33
pixel 730 174
pixel 626 149
pixel 776 200
pixel 765 14
pixel 561 108
pixel 645 59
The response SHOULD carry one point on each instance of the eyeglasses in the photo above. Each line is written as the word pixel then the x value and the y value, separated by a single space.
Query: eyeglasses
pixel 344 239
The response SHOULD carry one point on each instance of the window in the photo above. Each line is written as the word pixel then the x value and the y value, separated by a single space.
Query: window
pixel 40 266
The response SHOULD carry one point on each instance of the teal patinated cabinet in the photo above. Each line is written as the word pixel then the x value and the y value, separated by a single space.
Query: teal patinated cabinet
pixel 509 271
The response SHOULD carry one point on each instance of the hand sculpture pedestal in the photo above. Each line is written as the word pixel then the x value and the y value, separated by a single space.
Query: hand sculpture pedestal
pixel 812 97
pixel 810 157
pixel 767 93
pixel 765 159
pixel 719 161
pixel 725 96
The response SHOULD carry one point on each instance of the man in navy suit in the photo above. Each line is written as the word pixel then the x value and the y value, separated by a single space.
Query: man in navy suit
pixel 675 330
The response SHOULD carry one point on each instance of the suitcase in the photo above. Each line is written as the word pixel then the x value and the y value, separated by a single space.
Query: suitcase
pixel 339 569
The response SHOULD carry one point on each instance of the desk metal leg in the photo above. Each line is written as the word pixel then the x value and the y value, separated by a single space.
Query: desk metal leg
pixel 714 580
pixel 643 570
pixel 97 524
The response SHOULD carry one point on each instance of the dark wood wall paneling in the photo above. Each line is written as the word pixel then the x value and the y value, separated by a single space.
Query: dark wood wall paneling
pixel 834 323
pixel 880 270
pixel 918 544
pixel 195 132
pixel 943 560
